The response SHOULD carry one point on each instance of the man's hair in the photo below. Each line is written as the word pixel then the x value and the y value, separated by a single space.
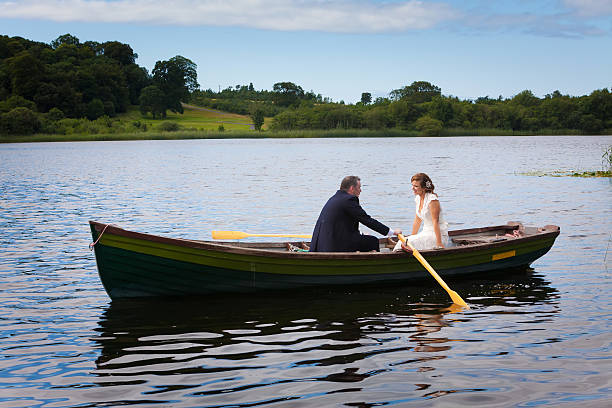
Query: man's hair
pixel 349 181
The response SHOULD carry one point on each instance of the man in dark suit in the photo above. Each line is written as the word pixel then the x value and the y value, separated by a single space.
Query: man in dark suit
pixel 337 229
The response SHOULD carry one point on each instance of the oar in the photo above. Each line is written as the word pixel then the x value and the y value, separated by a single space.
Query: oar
pixel 454 295
pixel 240 235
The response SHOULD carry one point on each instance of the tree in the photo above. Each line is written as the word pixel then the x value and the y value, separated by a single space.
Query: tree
pixel 526 98
pixel 404 113
pixel 258 118
pixel 417 92
pixel 287 93
pixel 26 72
pixel 68 75
pixel 366 98
pixel 121 53
pixel 513 117
pixel 152 99
pixel 442 109
pixel 376 118
pixel 589 124
pixel 599 104
pixel 66 39
pixel 176 78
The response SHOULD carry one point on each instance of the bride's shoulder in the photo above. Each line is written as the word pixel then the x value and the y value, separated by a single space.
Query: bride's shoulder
pixel 432 197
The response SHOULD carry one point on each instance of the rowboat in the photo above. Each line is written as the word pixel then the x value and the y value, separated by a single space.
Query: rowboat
pixel 134 264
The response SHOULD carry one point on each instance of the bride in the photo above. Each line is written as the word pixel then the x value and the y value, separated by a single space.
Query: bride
pixel 435 230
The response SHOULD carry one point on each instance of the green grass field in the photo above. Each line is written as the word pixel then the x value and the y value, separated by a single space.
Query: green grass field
pixel 193 118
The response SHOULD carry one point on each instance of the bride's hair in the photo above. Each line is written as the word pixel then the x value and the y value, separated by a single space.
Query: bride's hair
pixel 424 181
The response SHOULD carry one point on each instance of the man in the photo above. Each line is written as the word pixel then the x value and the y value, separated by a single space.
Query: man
pixel 337 229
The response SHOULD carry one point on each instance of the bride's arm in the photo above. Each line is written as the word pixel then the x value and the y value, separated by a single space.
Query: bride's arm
pixel 416 225
pixel 434 208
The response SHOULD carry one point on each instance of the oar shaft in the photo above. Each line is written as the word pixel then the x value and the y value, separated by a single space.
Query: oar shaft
pixel 453 295
pixel 427 266
pixel 240 235
pixel 280 235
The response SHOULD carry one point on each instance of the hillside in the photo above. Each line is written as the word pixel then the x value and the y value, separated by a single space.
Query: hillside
pixel 194 117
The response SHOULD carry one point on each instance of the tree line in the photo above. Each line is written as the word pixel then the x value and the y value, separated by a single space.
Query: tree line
pixel 421 106
pixel 49 87
pixel 73 86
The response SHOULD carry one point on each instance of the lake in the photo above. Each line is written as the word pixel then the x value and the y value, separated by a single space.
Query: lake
pixel 542 337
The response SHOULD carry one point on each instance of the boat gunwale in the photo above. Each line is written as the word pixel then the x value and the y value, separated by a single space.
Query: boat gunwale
pixel 550 231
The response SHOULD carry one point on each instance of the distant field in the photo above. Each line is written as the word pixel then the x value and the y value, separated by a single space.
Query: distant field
pixel 194 118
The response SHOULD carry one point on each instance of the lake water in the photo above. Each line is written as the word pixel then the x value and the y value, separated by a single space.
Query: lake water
pixel 538 338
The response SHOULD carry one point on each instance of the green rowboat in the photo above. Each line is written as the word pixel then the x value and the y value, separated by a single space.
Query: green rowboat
pixel 133 264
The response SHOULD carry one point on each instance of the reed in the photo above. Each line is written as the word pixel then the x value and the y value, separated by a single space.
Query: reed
pixel 606 159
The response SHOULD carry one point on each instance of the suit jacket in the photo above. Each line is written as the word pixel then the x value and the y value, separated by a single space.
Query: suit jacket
pixel 337 229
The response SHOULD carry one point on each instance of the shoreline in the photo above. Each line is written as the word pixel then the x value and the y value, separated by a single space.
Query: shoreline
pixel 292 134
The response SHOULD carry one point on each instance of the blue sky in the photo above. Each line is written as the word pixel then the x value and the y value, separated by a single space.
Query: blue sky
pixel 341 48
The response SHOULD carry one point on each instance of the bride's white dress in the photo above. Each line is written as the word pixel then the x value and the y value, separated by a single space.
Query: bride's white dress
pixel 426 238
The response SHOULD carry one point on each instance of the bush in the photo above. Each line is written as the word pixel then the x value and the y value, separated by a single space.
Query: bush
pixel 95 109
pixel 16 101
pixel 109 109
pixel 19 121
pixel 429 126
pixel 168 126
pixel 55 114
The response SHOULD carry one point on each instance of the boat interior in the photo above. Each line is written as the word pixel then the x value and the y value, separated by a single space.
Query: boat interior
pixel 465 237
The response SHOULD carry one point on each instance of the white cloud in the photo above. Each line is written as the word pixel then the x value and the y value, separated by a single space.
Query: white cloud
pixel 556 25
pixel 590 8
pixel 287 15
pixel 561 18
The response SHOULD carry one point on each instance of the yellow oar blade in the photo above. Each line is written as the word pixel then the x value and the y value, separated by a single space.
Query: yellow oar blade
pixel 240 235
pixel 228 235
pixel 457 299
pixel 453 295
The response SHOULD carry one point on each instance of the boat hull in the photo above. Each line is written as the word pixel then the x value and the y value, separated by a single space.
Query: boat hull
pixel 135 265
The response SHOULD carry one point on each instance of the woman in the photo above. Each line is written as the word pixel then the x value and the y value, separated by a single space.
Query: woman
pixel 435 230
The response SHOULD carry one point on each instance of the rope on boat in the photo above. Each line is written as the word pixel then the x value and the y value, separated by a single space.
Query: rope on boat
pixel 93 244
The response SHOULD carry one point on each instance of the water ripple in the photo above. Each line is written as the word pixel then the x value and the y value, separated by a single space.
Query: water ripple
pixel 540 337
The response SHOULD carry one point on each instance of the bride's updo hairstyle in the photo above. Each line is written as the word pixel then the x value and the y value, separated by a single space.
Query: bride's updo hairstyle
pixel 424 181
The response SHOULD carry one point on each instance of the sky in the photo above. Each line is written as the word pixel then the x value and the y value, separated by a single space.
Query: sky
pixel 342 48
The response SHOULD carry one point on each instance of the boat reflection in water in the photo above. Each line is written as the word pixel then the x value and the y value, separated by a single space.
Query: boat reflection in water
pixel 390 343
